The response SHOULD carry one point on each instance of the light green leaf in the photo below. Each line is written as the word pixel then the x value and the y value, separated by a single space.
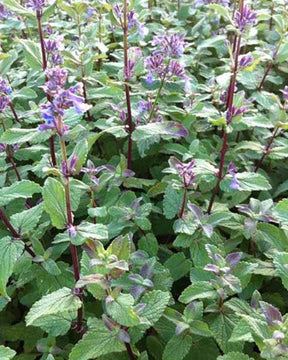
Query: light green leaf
pixel 88 230
pixel 6 353
pixel 10 251
pixel 198 290
pixel 121 310
pixel 21 189
pixel 26 220
pixel 280 260
pixel 96 342
pixel 32 54
pixel 81 151
pixel 59 302
pixel 54 202
pixel 234 356
pixel 156 302
pixel 20 136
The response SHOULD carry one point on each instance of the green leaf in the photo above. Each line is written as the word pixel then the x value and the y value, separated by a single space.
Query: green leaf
pixel 81 151
pixel 281 212
pixel 10 251
pixel 234 356
pixel 88 230
pixel 96 342
pixel 178 265
pixel 199 327
pixel 59 302
pixel 121 310
pixel 54 202
pixel 280 260
pixel 26 220
pixel 20 136
pixel 177 347
pixel 121 247
pixel 156 302
pixel 21 189
pixel 6 353
pixel 222 327
pixel 171 203
pixel 247 182
pixel 32 54
pixel 198 290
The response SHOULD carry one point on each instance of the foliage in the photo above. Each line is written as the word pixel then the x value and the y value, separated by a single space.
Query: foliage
pixel 142 203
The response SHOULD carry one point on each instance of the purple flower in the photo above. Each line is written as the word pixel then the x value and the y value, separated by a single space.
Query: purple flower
pixel 4 87
pixel 4 13
pixel 57 78
pixel 4 102
pixel 185 171
pixel 285 93
pixel 36 5
pixel 72 231
pixel 232 171
pixel 54 45
pixel 245 60
pixel 234 112
pixel 90 12
pixel 248 17
pixel 57 59
pixel 132 20
pixel 170 45
pixel 233 259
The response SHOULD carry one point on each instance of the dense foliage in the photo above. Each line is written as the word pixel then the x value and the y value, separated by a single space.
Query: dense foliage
pixel 143 155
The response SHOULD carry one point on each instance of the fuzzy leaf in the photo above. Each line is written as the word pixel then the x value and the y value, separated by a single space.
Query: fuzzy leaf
pixel 10 251
pixel 96 342
pixel 177 347
pixel 21 189
pixel 6 353
pixel 54 202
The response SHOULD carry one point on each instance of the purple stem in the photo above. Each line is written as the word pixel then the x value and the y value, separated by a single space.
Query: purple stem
pixel 267 149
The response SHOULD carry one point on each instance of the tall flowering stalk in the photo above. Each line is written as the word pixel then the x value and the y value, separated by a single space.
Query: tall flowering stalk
pixel 128 20
pixel 164 64
pixel 243 18
pixel 38 6
pixel 61 100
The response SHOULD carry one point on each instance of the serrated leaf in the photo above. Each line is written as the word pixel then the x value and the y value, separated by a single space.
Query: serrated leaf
pixel 171 202
pixel 54 202
pixel 26 220
pixel 96 342
pixel 121 310
pixel 178 265
pixel 198 290
pixel 234 356
pixel 156 302
pixel 6 353
pixel 280 261
pixel 20 136
pixel 10 251
pixel 56 303
pixel 177 347
pixel 32 54
pixel 21 189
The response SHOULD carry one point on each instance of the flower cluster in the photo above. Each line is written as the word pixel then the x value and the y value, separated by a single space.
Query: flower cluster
pixel 63 99
pixel 232 170
pixel 245 19
pixel 5 90
pixel 4 13
pixel 245 61
pixel 131 19
pixel 162 63
pixel 234 112
pixel 145 108
pixel 53 47
pixel 133 56
pixel 36 5
pixel 185 171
